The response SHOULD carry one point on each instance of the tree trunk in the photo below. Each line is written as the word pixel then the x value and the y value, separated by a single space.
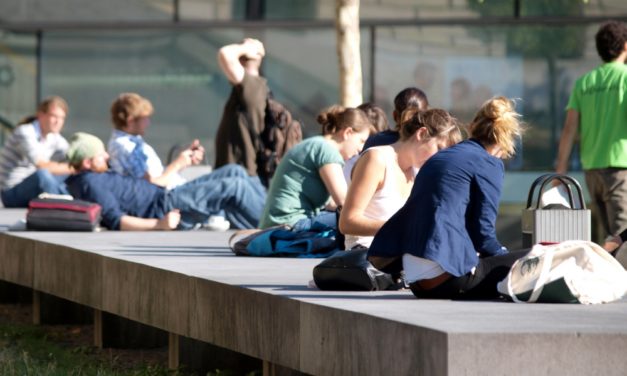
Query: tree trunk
pixel 347 25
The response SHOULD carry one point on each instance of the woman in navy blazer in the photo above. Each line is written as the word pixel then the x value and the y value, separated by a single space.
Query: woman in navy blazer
pixel 444 237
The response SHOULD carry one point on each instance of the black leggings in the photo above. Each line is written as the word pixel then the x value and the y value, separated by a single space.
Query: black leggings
pixel 478 286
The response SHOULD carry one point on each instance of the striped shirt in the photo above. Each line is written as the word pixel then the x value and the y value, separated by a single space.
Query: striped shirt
pixel 24 148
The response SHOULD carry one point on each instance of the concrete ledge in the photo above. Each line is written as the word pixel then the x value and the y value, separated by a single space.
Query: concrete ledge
pixel 190 284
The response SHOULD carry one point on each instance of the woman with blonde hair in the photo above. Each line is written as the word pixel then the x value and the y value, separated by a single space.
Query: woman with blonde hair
pixel 444 237
pixel 311 172
pixel 384 175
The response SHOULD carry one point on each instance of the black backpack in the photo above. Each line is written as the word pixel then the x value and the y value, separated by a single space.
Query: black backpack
pixel 279 135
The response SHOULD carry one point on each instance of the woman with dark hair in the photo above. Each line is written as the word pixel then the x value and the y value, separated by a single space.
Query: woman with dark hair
pixel 311 172
pixel 410 97
pixel 444 237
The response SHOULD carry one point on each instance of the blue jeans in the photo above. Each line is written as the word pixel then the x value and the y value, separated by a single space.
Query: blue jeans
pixel 228 190
pixel 38 182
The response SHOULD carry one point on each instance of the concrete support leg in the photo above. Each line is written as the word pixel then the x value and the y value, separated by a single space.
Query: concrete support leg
pixel 36 307
pixel 98 328
pixel 173 351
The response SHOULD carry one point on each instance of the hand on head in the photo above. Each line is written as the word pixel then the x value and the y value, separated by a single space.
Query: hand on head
pixel 254 49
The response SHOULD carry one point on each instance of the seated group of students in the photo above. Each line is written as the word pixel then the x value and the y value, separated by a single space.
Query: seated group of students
pixel 430 198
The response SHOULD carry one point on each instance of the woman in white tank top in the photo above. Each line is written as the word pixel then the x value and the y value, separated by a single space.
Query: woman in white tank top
pixel 383 176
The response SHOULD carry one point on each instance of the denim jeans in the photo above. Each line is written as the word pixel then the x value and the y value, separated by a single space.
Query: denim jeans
pixel 480 285
pixel 38 182
pixel 229 191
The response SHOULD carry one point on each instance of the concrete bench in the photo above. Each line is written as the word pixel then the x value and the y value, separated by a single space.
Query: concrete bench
pixel 190 285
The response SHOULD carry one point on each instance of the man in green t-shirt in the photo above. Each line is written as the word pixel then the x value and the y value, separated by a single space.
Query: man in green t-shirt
pixel 597 110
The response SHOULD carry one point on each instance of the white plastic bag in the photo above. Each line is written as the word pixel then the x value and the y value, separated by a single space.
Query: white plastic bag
pixel 573 271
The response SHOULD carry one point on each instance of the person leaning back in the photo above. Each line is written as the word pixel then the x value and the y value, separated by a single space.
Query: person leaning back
pixel 31 161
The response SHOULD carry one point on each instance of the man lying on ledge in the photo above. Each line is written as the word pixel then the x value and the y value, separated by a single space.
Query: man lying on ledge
pixel 133 204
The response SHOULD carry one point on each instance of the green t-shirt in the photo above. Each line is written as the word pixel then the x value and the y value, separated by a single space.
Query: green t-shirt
pixel 297 190
pixel 600 97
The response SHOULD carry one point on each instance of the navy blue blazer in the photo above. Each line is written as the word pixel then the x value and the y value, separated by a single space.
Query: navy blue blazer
pixel 450 214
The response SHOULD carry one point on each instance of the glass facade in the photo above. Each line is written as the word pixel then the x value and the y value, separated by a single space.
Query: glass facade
pixel 435 44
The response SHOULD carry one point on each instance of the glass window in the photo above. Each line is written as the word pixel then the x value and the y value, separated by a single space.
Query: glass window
pixel 86 10
pixel 18 72
pixel 460 67
pixel 179 73
pixel 212 10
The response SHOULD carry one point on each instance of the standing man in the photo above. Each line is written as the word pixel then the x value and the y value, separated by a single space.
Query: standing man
pixel 244 112
pixel 597 110
pixel 31 161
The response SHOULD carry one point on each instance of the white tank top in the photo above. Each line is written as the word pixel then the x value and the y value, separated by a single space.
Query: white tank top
pixel 385 202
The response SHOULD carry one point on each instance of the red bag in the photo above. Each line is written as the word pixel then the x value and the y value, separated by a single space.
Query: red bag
pixel 53 214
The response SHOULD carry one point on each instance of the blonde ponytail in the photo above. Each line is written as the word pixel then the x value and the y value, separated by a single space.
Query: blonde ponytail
pixel 497 123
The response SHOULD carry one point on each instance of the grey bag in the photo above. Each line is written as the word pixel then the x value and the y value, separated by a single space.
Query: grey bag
pixel 555 223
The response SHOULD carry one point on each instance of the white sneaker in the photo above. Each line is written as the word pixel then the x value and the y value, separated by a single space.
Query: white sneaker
pixel 217 223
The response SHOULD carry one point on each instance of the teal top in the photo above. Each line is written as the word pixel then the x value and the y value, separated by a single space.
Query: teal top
pixel 600 98
pixel 297 190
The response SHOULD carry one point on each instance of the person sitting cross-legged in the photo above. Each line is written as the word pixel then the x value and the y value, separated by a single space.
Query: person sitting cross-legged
pixel 130 203
pixel 131 155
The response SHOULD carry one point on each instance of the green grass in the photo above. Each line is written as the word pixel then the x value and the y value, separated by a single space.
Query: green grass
pixel 26 350
pixel 29 350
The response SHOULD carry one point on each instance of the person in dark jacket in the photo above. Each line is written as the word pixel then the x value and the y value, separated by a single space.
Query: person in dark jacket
pixel 444 237
pixel 131 203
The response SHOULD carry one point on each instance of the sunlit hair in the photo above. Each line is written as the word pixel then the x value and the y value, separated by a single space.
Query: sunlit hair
pixel 51 101
pixel 439 123
pixel 337 118
pixel 376 115
pixel 127 106
pixel 497 123
pixel 44 106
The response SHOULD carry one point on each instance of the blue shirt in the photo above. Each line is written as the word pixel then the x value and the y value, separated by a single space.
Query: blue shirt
pixel 387 137
pixel 451 212
pixel 118 195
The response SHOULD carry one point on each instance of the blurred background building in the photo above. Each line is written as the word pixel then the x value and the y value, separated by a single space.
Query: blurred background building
pixel 460 52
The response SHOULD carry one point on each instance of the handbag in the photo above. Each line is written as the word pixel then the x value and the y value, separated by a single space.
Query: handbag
pixel 57 214
pixel 351 271
pixel 569 272
pixel 555 222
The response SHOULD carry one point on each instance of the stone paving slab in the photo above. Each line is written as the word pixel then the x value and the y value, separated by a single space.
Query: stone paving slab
pixel 191 284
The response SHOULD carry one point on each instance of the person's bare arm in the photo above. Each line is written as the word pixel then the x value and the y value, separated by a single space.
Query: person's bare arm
pixel 55 168
pixel 368 175
pixel 168 222
pixel 567 139
pixel 193 155
pixel 228 58
pixel 333 178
